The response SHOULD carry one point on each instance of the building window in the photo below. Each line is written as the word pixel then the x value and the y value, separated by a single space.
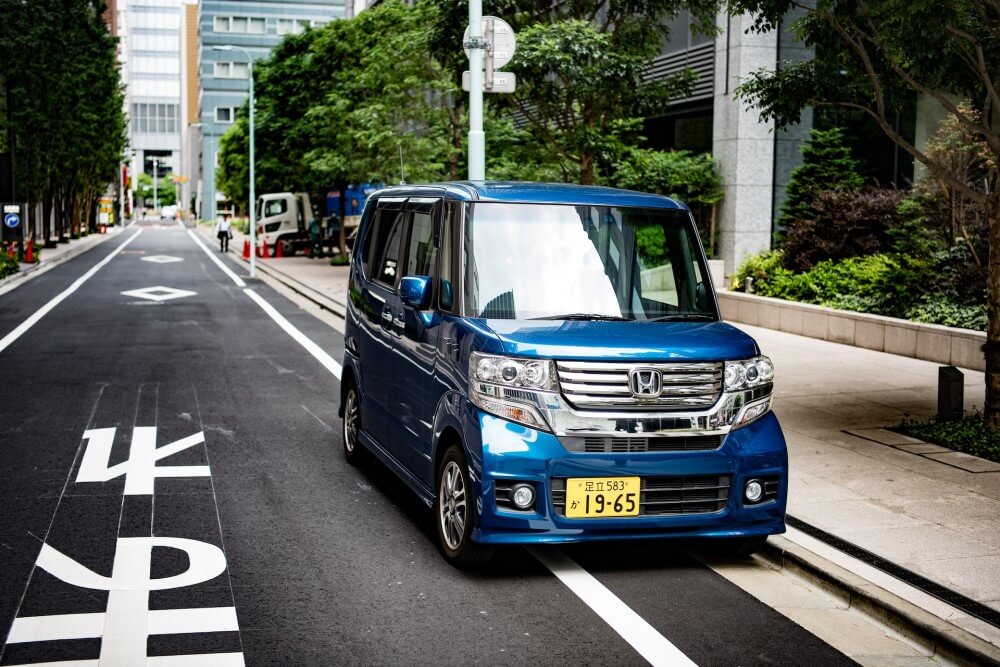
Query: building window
pixel 154 118
pixel 240 24
pixel 294 26
pixel 231 70
pixel 224 114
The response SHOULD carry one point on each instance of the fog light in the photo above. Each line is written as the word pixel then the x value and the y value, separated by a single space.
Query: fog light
pixel 523 496
pixel 754 491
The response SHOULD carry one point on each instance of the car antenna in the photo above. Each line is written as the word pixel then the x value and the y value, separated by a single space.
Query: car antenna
pixel 402 178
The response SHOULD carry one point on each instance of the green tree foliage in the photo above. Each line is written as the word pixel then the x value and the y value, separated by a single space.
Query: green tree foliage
pixel 826 165
pixel 874 54
pixel 232 176
pixel 581 72
pixel 65 106
pixel 166 191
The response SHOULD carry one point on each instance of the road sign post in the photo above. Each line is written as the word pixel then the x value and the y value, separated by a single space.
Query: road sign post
pixel 14 217
pixel 489 44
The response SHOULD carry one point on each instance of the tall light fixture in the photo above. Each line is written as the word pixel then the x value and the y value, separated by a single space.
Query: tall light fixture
pixel 253 194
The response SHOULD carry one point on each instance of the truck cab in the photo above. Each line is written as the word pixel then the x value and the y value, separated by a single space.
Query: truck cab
pixel 284 217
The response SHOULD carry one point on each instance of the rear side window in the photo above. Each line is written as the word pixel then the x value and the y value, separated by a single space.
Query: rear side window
pixel 390 235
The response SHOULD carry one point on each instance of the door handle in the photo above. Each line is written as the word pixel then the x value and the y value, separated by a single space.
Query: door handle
pixel 386 317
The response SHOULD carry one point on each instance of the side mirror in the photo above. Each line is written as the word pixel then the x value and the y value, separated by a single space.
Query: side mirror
pixel 415 291
pixel 701 297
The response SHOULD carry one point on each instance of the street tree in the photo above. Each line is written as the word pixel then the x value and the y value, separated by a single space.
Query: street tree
pixel 871 56
pixel 581 69
pixel 64 107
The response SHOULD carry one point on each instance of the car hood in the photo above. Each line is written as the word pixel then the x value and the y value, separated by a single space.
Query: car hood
pixel 608 341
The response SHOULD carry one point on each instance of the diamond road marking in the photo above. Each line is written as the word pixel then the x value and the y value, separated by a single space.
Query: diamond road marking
pixel 159 293
pixel 162 259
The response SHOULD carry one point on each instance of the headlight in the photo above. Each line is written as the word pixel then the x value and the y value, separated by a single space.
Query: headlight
pixel 748 386
pixel 749 373
pixel 515 389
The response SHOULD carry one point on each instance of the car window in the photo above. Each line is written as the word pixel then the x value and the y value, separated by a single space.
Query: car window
pixel 446 271
pixel 275 207
pixel 422 254
pixel 388 246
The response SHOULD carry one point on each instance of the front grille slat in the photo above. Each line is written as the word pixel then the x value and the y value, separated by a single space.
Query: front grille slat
pixel 704 494
pixel 604 385
pixel 604 445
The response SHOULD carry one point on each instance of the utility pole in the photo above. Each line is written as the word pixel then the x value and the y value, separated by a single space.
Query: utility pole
pixel 156 163
pixel 476 46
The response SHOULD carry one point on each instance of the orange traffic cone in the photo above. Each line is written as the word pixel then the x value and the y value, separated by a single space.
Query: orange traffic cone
pixel 29 253
pixel 246 248
pixel 278 250
pixel 263 246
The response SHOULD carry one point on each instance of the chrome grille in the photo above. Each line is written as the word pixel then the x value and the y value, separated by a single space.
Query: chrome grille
pixel 703 494
pixel 605 385
pixel 611 445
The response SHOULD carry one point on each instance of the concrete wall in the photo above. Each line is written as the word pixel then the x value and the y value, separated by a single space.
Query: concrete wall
pixel 931 342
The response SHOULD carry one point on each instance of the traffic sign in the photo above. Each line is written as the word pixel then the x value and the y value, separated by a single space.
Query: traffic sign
pixel 503 82
pixel 504 42
pixel 11 220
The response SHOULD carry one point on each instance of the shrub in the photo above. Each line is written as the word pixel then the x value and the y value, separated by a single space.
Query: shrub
pixel 969 434
pixel 7 265
pixel 845 223
pixel 826 165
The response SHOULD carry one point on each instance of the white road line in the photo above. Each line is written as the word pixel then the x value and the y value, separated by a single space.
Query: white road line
pixel 6 341
pixel 312 348
pixel 643 637
pixel 218 262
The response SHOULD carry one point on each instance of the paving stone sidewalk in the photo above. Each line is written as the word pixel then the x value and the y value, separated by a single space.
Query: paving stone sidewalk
pixel 931 510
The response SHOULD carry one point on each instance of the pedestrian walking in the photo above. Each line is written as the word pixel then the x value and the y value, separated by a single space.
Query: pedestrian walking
pixel 224 230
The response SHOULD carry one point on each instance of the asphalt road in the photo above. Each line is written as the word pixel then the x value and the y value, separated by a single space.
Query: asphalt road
pixel 287 555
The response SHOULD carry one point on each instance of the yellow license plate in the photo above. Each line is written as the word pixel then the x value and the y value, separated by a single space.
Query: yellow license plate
pixel 602 497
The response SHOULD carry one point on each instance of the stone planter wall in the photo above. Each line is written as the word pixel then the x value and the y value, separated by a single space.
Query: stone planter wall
pixel 931 342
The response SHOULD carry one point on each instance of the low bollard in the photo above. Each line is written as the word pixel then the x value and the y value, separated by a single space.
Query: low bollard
pixel 951 390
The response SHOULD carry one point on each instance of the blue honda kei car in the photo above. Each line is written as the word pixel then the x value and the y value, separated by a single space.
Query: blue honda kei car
pixel 546 363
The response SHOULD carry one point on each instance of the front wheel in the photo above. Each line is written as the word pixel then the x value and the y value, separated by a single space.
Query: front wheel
pixel 454 511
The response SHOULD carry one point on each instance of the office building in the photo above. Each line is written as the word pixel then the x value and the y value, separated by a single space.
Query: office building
pixel 256 26
pixel 150 53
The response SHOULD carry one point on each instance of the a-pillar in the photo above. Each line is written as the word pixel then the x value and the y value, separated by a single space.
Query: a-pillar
pixel 742 145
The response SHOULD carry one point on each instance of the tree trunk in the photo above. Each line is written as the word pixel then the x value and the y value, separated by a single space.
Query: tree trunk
pixel 48 203
pixel 992 347
pixel 586 170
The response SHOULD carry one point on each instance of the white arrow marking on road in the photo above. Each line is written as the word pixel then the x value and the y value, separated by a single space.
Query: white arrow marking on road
pixel 162 259
pixel 59 298
pixel 159 293
pixel 140 469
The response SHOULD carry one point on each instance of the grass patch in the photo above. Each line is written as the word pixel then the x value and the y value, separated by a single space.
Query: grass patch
pixel 339 260
pixel 969 434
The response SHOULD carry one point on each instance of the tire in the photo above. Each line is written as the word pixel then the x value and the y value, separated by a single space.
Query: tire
pixel 354 451
pixel 454 512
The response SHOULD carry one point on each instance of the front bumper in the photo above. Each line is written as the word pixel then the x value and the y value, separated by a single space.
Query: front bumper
pixel 508 451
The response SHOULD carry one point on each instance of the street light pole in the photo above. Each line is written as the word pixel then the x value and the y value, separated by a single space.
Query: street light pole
pixel 253 194
pixel 156 201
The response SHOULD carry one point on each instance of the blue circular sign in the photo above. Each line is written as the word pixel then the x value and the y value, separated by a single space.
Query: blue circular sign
pixel 12 220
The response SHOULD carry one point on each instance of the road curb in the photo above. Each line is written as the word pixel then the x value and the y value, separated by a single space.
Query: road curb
pixel 916 624
pixel 23 275
pixel 326 303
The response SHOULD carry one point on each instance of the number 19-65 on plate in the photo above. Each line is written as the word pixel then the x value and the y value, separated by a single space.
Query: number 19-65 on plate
pixel 589 497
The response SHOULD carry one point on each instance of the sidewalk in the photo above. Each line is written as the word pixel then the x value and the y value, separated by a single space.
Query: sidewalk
pixel 50 257
pixel 934 512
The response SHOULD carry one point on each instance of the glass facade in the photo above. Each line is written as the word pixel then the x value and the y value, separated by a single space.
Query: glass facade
pixel 154 81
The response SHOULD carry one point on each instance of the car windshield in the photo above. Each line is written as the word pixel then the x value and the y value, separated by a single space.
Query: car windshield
pixel 542 261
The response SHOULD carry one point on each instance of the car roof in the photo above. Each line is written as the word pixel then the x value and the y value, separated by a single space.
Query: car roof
pixel 534 193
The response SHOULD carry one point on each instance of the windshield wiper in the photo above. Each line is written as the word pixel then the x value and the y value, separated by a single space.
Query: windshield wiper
pixel 586 316
pixel 684 317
